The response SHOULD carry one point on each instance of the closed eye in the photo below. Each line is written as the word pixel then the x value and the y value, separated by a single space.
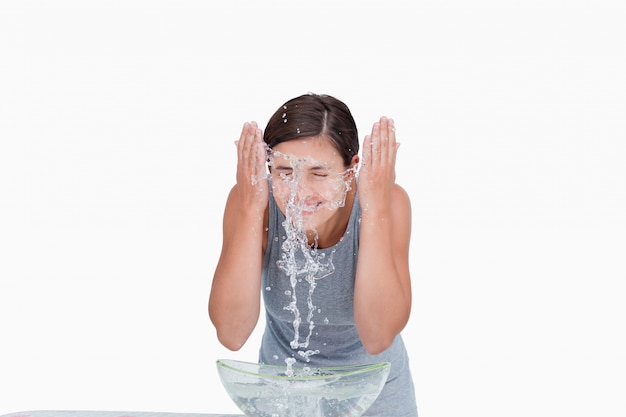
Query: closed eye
pixel 283 171
pixel 319 171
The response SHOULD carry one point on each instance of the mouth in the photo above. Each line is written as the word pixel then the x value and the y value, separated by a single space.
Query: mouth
pixel 309 209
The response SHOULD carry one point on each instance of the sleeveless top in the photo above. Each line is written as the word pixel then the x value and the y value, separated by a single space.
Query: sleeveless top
pixel 327 315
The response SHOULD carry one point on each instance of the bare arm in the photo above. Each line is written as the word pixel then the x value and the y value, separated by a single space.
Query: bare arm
pixel 234 302
pixel 382 295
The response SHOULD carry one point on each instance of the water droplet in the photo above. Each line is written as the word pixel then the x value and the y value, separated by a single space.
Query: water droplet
pixel 289 362
pixel 268 288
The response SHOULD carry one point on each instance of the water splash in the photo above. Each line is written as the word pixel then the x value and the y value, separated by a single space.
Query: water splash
pixel 299 257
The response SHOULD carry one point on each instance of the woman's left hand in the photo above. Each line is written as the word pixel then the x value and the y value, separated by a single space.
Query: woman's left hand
pixel 377 173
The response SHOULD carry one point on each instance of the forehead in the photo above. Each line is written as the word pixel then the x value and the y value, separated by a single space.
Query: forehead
pixel 314 150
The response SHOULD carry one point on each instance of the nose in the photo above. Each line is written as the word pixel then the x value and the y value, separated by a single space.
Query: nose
pixel 304 188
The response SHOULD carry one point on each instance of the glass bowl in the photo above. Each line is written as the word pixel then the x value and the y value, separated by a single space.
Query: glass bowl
pixel 261 390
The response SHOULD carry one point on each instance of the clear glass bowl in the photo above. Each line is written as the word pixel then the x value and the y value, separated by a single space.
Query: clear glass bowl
pixel 267 391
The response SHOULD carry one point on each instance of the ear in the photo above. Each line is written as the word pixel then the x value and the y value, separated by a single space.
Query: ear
pixel 351 171
pixel 355 161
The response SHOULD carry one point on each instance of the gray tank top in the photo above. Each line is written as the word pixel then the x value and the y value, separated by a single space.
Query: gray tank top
pixel 333 331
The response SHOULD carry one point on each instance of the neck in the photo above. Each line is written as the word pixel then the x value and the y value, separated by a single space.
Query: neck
pixel 331 232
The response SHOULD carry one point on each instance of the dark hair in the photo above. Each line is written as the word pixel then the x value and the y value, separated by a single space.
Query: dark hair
pixel 315 115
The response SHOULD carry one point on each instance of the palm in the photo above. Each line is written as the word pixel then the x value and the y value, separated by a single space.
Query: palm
pixel 252 180
pixel 377 173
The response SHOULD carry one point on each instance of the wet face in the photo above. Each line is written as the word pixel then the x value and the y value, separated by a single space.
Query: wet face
pixel 309 180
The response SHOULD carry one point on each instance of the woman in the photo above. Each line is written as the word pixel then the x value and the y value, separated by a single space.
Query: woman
pixel 328 253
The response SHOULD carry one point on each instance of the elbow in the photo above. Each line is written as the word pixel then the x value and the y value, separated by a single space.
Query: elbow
pixel 231 335
pixel 230 342
pixel 377 344
pixel 376 338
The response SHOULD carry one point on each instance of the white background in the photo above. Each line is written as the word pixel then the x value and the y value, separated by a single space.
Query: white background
pixel 117 122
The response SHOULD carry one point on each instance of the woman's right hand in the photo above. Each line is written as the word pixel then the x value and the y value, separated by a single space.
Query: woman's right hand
pixel 252 182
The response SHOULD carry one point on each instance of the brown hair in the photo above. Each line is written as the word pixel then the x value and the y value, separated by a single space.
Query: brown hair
pixel 315 115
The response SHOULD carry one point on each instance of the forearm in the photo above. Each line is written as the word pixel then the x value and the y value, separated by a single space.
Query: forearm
pixel 382 302
pixel 234 303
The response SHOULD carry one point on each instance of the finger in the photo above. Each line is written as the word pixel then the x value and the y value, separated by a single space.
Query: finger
pixel 241 143
pixel 261 154
pixel 249 141
pixel 375 145
pixel 384 140
pixel 391 131
pixel 246 152
pixel 393 148
pixel 367 150
pixel 393 144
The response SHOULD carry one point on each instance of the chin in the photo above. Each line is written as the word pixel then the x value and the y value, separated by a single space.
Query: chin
pixel 312 220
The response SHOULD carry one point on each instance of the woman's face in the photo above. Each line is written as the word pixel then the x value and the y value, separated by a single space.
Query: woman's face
pixel 309 180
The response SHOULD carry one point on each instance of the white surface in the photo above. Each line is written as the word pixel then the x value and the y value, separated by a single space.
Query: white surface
pixel 99 413
pixel 117 122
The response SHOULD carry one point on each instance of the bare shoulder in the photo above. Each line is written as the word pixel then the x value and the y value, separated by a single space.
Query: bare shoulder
pixel 400 200
pixel 232 209
pixel 401 218
pixel 233 196
pixel 232 205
